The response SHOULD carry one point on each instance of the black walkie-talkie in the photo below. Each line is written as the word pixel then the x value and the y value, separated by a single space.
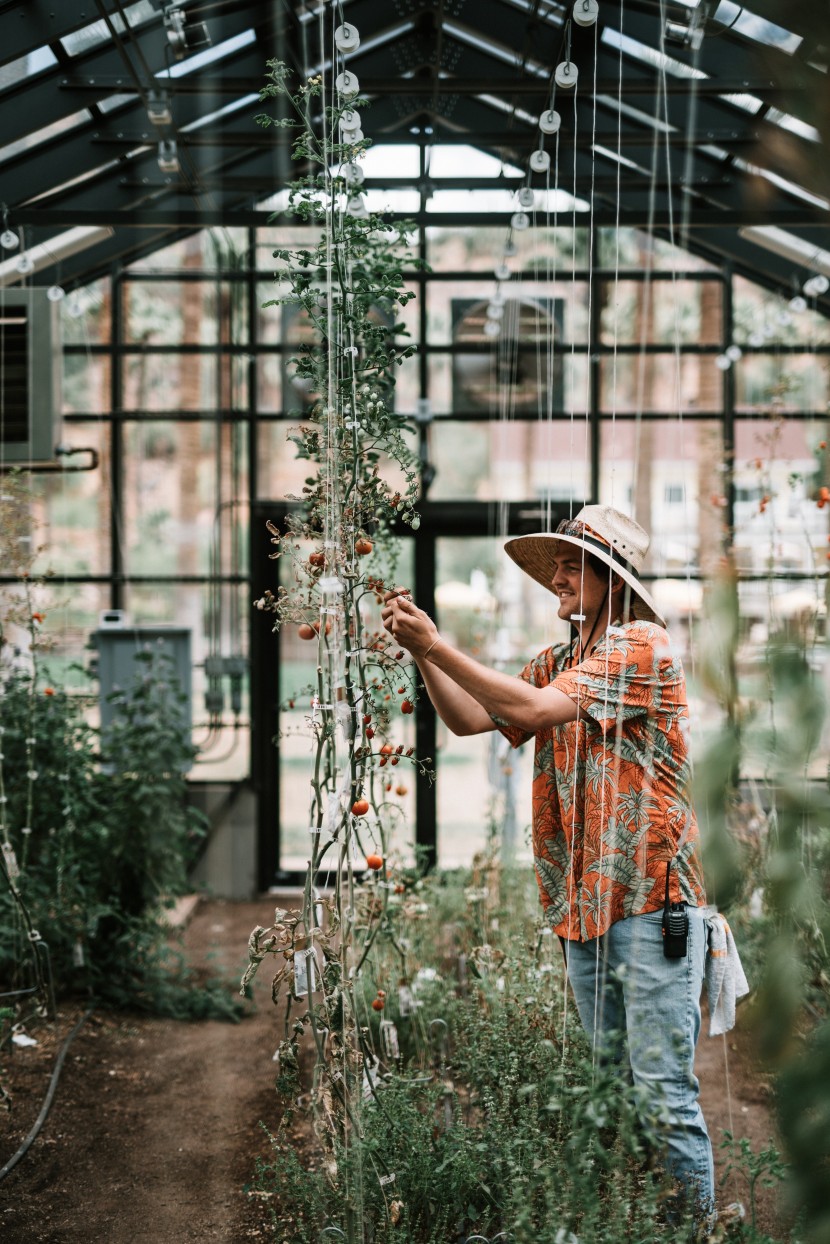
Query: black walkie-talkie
pixel 675 925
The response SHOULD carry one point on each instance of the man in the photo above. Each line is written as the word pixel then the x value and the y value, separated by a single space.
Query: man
pixel 614 834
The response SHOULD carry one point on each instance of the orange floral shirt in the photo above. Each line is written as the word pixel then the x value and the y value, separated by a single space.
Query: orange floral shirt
pixel 611 799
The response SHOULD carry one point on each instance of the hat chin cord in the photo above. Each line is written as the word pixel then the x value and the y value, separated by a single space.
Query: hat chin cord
pixel 576 619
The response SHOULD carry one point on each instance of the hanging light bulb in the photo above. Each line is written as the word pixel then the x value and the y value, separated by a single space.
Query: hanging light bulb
pixel 733 353
pixel 816 285
pixel 492 328
pixel 75 308
pixel 797 304
pixel 353 136
pixel 550 121
pixel 347 38
pixel 9 240
pixel 526 197
pixel 723 362
pixel 756 338
pixel 24 263
pixel 502 272
pixel 540 161
pixel 784 318
pixel 347 84
pixel 55 293
pixel 495 311
pixel 510 249
pixel 586 12
pixel 566 74
pixel 519 221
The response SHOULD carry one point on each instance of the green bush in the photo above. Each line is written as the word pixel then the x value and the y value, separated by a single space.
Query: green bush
pixel 102 833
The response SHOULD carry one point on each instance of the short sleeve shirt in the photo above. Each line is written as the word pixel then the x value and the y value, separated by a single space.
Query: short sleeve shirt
pixel 611 797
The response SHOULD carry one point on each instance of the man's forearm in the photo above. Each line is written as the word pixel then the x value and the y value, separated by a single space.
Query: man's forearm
pixel 456 707
pixel 518 702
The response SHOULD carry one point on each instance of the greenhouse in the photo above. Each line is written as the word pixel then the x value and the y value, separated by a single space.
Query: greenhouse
pixel 414 574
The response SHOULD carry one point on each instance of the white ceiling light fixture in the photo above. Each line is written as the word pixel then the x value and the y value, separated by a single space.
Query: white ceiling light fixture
pixel 184 37
pixel 159 112
pixel 168 156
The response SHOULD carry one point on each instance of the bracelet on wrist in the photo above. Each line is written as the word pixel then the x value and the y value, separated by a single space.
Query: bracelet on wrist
pixel 432 645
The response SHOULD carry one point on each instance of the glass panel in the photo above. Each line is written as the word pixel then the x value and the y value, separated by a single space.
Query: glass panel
pixel 668 476
pixel 195 312
pixel 226 753
pixel 170 493
pixel 761 318
pixel 86 316
pixel 208 250
pixel 480 248
pixel 71 510
pixel 269 382
pixel 661 311
pixel 489 608
pixel 26 66
pixel 86 383
pixel 505 461
pixel 297 666
pixel 629 248
pixel 773 383
pixel 660 382
pixel 280 474
pixel 542 311
pixel 781 520
pixel 170 382
pixel 44 134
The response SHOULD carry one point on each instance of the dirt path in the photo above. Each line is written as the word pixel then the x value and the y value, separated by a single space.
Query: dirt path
pixel 156 1124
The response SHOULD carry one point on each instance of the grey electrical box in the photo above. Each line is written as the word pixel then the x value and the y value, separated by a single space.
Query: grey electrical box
pixel 30 364
pixel 117 669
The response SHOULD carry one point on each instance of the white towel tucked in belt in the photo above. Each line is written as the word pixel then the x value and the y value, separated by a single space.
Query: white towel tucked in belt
pixel 725 980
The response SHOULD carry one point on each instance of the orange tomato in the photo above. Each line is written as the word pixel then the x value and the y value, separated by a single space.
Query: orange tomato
pixel 360 807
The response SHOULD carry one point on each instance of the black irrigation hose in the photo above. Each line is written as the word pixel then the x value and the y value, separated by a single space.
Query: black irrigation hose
pixel 47 1102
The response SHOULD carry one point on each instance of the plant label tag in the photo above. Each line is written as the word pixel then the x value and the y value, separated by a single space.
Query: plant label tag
pixel 78 959
pixel 305 976
pixel 405 1001
pixel 383 1180
pixel 389 1039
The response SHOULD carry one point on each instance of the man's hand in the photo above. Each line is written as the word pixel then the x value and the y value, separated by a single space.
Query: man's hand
pixel 411 627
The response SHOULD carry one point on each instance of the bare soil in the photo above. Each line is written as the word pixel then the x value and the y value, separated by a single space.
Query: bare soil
pixel 156 1124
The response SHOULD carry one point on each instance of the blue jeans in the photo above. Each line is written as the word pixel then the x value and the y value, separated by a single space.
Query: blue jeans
pixel 641 1012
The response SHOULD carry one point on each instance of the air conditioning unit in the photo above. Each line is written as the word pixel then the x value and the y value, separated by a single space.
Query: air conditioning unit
pixel 30 373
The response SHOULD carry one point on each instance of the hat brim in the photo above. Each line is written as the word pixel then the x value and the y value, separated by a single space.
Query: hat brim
pixel 536 553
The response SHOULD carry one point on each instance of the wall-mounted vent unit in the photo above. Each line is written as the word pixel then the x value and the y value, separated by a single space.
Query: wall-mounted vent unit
pixel 30 374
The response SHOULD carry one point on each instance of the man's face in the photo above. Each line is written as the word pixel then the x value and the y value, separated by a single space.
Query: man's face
pixel 579 588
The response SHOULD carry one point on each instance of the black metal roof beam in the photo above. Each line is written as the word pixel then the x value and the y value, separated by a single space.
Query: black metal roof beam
pixel 183 214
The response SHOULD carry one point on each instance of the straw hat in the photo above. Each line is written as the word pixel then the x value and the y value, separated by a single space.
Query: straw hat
pixel 604 532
